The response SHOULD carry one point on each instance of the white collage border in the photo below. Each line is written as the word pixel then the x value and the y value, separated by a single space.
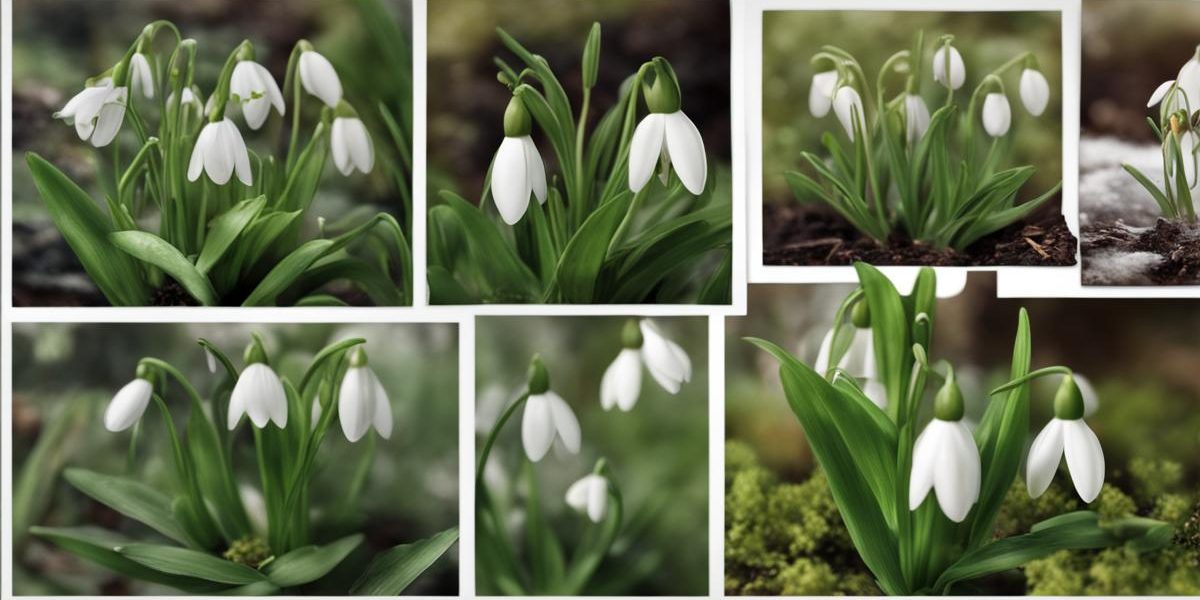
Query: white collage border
pixel 745 57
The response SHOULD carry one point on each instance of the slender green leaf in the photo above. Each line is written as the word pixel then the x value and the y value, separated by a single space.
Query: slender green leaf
pixel 190 563
pixel 154 250
pixel 225 228
pixel 133 499
pixel 99 546
pixel 310 563
pixel 391 572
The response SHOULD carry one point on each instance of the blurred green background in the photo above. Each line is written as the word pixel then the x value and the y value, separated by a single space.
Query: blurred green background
pixel 658 452
pixel 65 374
pixel 985 39
pixel 57 44
pixel 1129 48
pixel 783 534
pixel 466 104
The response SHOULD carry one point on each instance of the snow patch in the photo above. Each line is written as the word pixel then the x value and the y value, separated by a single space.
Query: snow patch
pixel 1112 267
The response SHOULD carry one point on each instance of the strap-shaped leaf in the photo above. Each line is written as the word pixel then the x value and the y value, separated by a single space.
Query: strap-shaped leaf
pixel 226 228
pixel 154 250
pixel 890 329
pixel 190 563
pixel 581 260
pixel 86 230
pixel 505 274
pixel 391 572
pixel 286 272
pixel 131 498
pixel 310 563
pixel 98 545
pixel 676 249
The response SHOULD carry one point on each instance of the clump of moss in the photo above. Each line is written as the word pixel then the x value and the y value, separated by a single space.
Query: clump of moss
pixel 250 550
pixel 785 538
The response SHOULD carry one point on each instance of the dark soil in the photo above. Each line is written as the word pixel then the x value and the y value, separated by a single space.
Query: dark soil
pixel 814 235
pixel 1178 244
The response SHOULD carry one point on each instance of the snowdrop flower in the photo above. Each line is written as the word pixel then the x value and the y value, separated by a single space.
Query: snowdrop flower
pixel 589 495
pixel 129 403
pixel 253 87
pixel 350 143
pixel 1035 91
pixel 220 151
pixel 362 401
pixel 956 73
pixel 945 458
pixel 141 76
pixel 318 76
pixel 848 107
pixel 97 112
pixel 644 343
pixel 547 416
pixel 666 138
pixel 189 100
pixel 210 360
pixel 997 114
pixel 1066 435
pixel 820 95
pixel 1188 83
pixel 1160 92
pixel 859 359
pixel 258 392
pixel 916 117
pixel 517 170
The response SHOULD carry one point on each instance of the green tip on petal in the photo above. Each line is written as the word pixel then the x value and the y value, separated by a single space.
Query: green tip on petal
pixel 539 377
pixel 1068 400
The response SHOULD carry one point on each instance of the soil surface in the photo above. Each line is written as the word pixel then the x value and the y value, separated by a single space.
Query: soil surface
pixel 815 235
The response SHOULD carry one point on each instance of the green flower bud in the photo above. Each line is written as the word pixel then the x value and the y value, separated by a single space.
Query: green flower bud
pixel 1068 400
pixel 662 95
pixel 860 315
pixel 948 403
pixel 539 377
pixel 631 335
pixel 517 121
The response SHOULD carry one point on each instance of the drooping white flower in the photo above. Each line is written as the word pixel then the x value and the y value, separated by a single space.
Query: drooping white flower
pixel 622 381
pixel 645 344
pixel 848 106
pixel 97 112
pixel 1066 436
pixel 946 462
pixel 517 172
pixel 1035 91
pixel 128 405
pixel 319 78
pixel 255 90
pixel 820 94
pixel 668 364
pixel 1188 86
pixel 858 362
pixel 1160 92
pixel 351 146
pixel 210 360
pixel 362 401
pixel 220 151
pixel 141 76
pixel 189 99
pixel 957 73
pixel 258 394
pixel 547 416
pixel 672 140
pixel 916 117
pixel 997 114
pixel 589 495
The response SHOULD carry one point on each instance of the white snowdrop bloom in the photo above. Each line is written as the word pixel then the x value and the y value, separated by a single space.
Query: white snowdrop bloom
pixel 141 76
pixel 1066 436
pixel 848 106
pixel 1160 92
pixel 351 146
pixel 945 459
pixel 128 405
pixel 1188 141
pixel 668 364
pixel 916 117
pixel 859 359
pixel 547 416
pixel 189 99
pixel 362 401
pixel 517 170
pixel 1188 84
pixel 820 95
pixel 1035 91
pixel 220 151
pixel 669 141
pixel 997 114
pixel 622 381
pixel 319 78
pixel 258 394
pixel 210 360
pixel 957 74
pixel 589 495
pixel 97 112
pixel 255 90
pixel 645 344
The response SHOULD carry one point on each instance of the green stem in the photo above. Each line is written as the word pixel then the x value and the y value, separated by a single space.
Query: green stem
pixel 491 440
pixel 1057 370
pixel 626 221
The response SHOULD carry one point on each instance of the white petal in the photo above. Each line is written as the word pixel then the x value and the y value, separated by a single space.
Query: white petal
pixel 821 364
pixel 85 96
pixel 876 392
pixel 356 403
pixel 340 147
pixel 1159 93
pixel 537 427
pixel 848 107
pixel 1035 91
pixel 820 95
pixel 237 408
pixel 597 501
pixel 382 419
pixel 535 169
pixel 237 148
pixel 362 152
pixel 274 96
pixel 87 108
pixel 997 114
pixel 260 392
pixel 622 381
pixel 916 117
pixel 645 149
pixel 1189 85
pixel 510 180
pixel 141 76
pixel 218 161
pixel 110 117
pixel 319 78
pixel 1085 458
pixel 577 494
pixel 956 473
pixel 958 71
pixel 203 141
pixel 1044 456
pixel 686 148
pixel 210 360
pixel 128 405
pixel 565 423
pixel 920 482
pixel 668 364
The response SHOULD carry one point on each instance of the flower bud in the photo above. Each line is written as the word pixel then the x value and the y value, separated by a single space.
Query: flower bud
pixel 539 378
pixel 1068 400
pixel 860 315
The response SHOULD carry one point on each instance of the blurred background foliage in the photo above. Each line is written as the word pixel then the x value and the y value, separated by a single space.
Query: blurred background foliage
pixel 65 374
pixel 466 104
pixel 57 44
pixel 783 534
pixel 1129 48
pixel 658 452
pixel 985 39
